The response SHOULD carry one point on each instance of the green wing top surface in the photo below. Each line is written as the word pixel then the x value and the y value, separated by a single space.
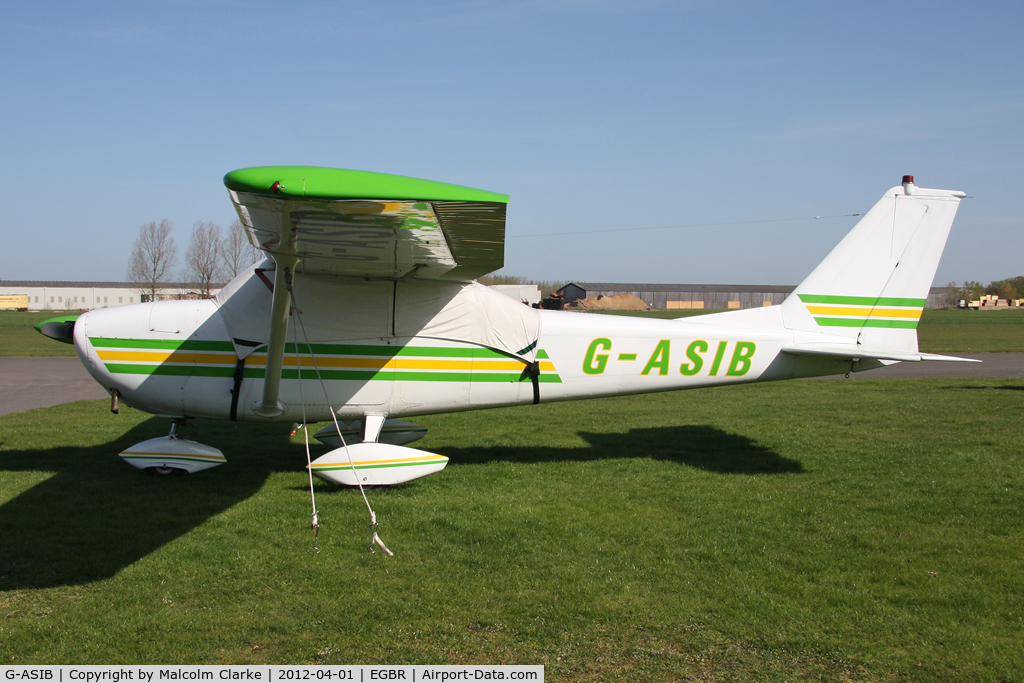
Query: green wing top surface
pixel 343 183
pixel 364 224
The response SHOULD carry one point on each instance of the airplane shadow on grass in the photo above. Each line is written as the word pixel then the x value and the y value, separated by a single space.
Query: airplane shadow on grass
pixel 96 515
pixel 1003 387
pixel 698 446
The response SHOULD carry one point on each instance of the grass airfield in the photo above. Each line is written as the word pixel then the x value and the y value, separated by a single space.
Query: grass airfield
pixel 863 530
pixel 19 338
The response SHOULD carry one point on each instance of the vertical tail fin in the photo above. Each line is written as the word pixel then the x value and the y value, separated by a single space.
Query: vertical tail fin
pixel 873 286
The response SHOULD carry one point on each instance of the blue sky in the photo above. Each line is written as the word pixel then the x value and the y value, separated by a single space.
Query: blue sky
pixel 594 117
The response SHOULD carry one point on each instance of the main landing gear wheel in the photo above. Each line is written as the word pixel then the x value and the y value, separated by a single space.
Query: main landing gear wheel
pixel 165 471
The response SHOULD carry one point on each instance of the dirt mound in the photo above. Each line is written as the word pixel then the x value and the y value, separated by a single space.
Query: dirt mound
pixel 615 302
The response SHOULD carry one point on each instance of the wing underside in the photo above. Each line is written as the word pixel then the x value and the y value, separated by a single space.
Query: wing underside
pixel 376 237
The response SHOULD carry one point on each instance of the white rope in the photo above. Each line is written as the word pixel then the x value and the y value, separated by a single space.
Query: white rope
pixel 314 518
pixel 373 516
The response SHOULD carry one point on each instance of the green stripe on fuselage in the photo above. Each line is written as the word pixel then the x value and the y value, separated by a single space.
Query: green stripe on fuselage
pixel 866 322
pixel 162 344
pixel 862 300
pixel 318 349
pixel 182 370
pixel 310 373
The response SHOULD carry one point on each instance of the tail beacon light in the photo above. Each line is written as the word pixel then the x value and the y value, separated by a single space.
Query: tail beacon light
pixel 908 185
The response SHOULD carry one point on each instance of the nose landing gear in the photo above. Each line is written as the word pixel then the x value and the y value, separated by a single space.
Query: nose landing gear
pixel 172 455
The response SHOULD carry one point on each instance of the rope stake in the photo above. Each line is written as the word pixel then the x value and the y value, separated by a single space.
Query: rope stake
pixel 376 538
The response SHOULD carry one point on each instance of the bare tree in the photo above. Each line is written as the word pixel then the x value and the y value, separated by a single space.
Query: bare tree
pixel 239 253
pixel 153 257
pixel 203 258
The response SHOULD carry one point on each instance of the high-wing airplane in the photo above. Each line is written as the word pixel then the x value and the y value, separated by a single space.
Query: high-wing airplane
pixel 366 310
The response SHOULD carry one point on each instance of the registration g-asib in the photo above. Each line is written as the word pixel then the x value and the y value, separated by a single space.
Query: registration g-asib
pixel 366 312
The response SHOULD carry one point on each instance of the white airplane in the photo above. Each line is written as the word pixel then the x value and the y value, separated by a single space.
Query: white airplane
pixel 367 310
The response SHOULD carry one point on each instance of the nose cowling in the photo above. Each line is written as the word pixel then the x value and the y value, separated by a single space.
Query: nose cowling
pixel 112 345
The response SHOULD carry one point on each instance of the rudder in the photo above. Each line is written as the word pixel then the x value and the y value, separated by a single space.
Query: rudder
pixel 874 285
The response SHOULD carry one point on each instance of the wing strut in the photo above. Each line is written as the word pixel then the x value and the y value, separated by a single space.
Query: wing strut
pixel 269 405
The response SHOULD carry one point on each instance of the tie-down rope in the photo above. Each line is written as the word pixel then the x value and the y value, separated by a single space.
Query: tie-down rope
pixel 314 518
pixel 373 516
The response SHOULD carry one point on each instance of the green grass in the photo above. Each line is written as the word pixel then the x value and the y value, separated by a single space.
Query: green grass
pixel 945 331
pixel 19 338
pixel 863 530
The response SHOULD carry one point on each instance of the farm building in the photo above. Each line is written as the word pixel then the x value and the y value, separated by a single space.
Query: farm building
pixel 63 296
pixel 701 296
pixel 60 296
pixel 683 296
pixel 528 294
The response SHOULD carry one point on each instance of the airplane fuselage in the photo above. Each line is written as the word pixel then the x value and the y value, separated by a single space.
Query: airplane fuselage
pixel 177 359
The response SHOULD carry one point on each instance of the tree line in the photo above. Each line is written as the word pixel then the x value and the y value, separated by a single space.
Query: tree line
pixel 211 257
pixel 971 290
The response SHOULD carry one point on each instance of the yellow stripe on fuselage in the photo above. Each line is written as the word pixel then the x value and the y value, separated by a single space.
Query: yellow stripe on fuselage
pixel 169 357
pixel 323 362
pixel 866 312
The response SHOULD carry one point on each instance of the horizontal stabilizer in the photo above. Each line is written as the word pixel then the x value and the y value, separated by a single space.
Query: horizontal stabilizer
pixel 851 352
pixel 956 359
